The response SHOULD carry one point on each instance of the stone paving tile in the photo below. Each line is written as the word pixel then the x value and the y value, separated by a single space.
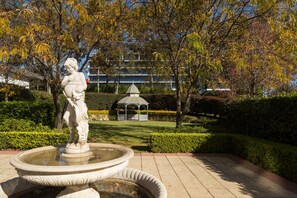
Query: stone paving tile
pixel 168 176
pixel 149 165
pixel 190 182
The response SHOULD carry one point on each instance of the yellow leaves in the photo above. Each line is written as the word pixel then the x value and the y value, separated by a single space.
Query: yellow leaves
pixel 196 42
pixel 22 39
pixel 70 2
pixel 83 16
pixel 158 56
pixel 4 26
pixel 67 40
pixel 26 13
pixel 41 48
pixel 4 54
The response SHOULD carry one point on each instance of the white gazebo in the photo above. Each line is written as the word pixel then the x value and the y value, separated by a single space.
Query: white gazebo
pixel 130 106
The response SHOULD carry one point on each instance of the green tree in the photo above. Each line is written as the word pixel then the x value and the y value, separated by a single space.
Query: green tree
pixel 48 32
pixel 188 36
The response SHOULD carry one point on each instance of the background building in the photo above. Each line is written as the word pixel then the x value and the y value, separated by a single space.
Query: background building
pixel 126 71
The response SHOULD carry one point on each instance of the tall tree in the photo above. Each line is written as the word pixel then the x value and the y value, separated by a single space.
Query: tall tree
pixel 48 32
pixel 256 69
pixel 8 64
pixel 187 37
pixel 284 26
pixel 263 57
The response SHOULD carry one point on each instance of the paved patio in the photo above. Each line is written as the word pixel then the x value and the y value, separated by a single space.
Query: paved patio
pixel 201 175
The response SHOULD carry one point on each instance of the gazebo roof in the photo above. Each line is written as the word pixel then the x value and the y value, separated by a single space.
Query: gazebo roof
pixel 133 100
pixel 133 97
pixel 133 90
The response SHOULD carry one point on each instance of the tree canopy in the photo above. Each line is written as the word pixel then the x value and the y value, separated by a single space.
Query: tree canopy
pixel 250 43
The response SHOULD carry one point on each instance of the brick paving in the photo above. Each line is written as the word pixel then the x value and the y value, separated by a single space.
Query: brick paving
pixel 199 176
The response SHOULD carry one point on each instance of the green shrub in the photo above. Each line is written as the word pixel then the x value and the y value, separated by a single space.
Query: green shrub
pixel 105 101
pixel 38 112
pixel 28 140
pixel 160 101
pixel 185 129
pixel 17 93
pixel 278 158
pixel 154 115
pixel 190 142
pixel 269 118
pixel 213 105
pixel 42 96
pixel 12 124
pixel 102 101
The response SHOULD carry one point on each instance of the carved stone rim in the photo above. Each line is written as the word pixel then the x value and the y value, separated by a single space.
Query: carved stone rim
pixel 18 164
pixel 146 180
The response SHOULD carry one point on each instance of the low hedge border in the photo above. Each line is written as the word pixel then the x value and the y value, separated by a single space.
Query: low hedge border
pixel 29 140
pixel 278 158
pixel 153 115
pixel 189 143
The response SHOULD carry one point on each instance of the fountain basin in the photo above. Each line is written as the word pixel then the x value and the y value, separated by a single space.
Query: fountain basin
pixel 46 166
pixel 18 187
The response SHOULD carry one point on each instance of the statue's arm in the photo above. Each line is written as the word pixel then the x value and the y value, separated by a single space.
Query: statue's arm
pixel 64 81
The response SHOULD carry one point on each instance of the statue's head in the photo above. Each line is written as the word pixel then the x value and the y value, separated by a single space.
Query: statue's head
pixel 71 62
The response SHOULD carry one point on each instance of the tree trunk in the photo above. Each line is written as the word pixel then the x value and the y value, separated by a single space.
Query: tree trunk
pixel 178 121
pixel 7 86
pixel 57 104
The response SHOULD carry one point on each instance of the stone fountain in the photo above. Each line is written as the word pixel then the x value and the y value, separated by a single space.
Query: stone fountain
pixel 79 163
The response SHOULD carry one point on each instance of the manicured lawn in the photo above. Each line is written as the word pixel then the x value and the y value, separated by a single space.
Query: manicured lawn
pixel 132 134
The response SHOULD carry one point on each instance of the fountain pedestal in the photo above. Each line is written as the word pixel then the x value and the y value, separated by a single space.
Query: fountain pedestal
pixel 78 192
pixel 77 148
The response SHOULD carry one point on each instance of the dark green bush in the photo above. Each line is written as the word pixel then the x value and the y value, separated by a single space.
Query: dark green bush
pixel 278 158
pixel 18 93
pixel 102 101
pixel 272 118
pixel 12 124
pixel 185 129
pixel 190 142
pixel 38 112
pixel 208 105
pixel 28 140
pixel 160 102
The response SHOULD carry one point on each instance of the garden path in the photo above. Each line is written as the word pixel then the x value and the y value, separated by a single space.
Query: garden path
pixel 200 175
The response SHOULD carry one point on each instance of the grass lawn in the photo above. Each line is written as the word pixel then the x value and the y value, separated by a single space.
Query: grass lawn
pixel 128 133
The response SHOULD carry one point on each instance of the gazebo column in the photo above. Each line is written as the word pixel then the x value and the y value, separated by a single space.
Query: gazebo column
pixel 147 112
pixel 126 116
pixel 138 112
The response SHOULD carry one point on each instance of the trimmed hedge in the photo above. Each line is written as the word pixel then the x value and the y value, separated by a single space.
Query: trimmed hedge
pixel 209 105
pixel 105 101
pixel 190 143
pixel 38 112
pixel 29 140
pixel 278 158
pixel 12 124
pixel 156 115
pixel 272 119
pixel 102 101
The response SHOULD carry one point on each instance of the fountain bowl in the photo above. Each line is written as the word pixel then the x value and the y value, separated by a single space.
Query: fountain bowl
pixel 46 165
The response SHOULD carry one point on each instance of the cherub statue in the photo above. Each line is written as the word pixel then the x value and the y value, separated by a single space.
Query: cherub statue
pixel 76 115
